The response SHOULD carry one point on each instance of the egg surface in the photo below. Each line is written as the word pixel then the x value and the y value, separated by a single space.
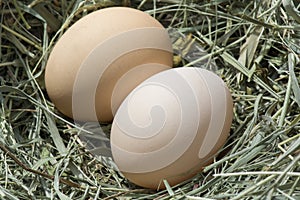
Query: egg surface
pixel 87 62
pixel 171 126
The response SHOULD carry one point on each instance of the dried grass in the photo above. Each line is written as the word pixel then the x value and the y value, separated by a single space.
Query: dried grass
pixel 256 46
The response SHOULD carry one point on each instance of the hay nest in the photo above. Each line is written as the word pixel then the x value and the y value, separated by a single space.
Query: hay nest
pixel 256 47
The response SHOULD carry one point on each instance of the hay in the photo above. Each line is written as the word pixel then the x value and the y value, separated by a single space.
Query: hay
pixel 256 46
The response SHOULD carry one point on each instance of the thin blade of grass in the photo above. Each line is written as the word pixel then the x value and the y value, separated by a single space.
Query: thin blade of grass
pixel 58 141
pixel 56 184
pixel 292 62
pixel 291 10
pixel 248 49
pixel 168 188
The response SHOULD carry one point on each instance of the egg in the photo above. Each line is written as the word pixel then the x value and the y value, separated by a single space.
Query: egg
pixel 101 58
pixel 171 126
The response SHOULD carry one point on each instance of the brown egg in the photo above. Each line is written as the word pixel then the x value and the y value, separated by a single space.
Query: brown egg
pixel 171 126
pixel 89 63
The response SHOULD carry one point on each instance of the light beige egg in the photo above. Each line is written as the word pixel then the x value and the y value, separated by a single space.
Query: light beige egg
pixel 87 62
pixel 171 126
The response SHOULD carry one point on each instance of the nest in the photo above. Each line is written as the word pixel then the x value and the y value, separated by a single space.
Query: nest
pixel 255 46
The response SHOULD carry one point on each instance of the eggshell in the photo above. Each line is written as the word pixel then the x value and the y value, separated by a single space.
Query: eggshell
pixel 171 126
pixel 87 62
